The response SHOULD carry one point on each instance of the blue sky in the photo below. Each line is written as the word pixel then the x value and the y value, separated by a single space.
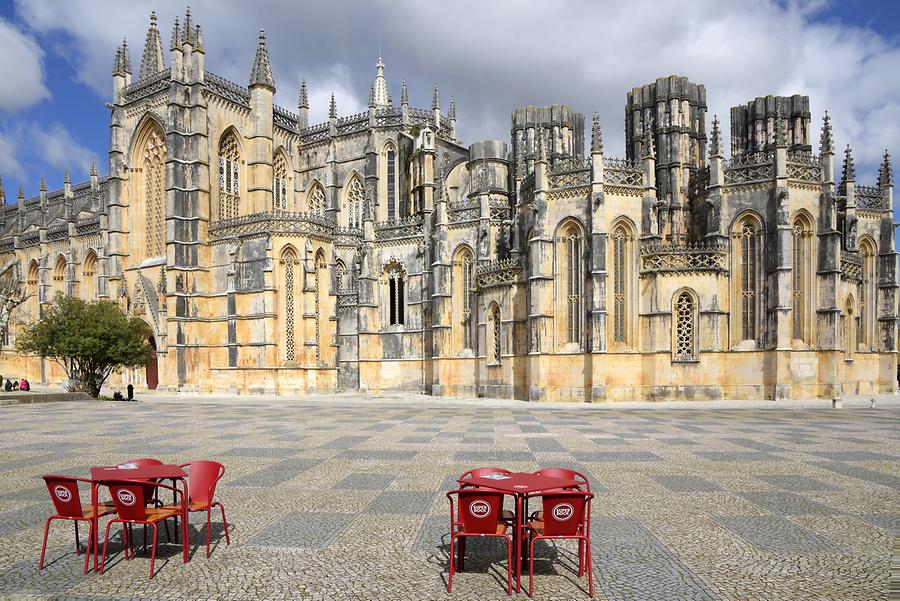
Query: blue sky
pixel 56 57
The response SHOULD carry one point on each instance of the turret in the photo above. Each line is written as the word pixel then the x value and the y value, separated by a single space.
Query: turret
pixel 451 115
pixel 303 107
pixel 262 91
pixel 848 188
pixel 716 171
pixel 152 61
pixel 176 52
pixel 596 151
pixel 121 71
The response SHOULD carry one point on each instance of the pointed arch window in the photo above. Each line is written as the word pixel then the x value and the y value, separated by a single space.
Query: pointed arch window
pixel 321 279
pixel 154 164
pixel 848 317
pixel 802 279
pixel 748 254
pixel 569 259
pixel 464 299
pixel 684 327
pixel 356 195
pixel 391 160
pixel 622 242
pixel 867 299
pixel 395 278
pixel 89 276
pixel 288 268
pixel 280 183
pixel 317 199
pixel 340 276
pixel 229 177
pixel 59 275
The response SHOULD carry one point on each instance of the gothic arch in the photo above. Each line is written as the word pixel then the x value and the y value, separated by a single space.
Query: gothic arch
pixel 282 180
pixel 747 238
pixel 290 284
pixel 685 326
pixel 395 288
pixel 803 280
pixel 569 243
pixel 316 199
pixel 463 310
pixel 849 327
pixel 622 283
pixel 494 336
pixel 229 155
pixel 59 275
pixel 147 210
pixel 389 180
pixel 354 195
pixel 89 276
pixel 868 300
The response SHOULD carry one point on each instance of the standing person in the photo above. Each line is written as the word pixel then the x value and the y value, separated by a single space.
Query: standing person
pixel 130 392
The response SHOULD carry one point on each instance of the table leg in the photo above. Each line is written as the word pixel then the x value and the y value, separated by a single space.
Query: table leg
pixel 518 543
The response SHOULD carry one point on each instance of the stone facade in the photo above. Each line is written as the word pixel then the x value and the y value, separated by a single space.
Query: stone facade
pixel 375 252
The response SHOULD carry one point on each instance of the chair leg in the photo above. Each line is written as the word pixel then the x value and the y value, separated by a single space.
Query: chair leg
pixel 87 552
pixel 224 522
pixel 451 562
pixel 531 566
pixel 77 542
pixel 145 538
pixel 590 567
pixel 509 546
pixel 44 546
pixel 153 552
pixel 208 528
pixel 461 552
pixel 106 545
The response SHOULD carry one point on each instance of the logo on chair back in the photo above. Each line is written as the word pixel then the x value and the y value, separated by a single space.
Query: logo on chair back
pixel 563 511
pixel 62 493
pixel 126 497
pixel 480 509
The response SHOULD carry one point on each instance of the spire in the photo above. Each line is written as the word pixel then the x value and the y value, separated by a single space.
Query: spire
pixel 303 101
pixel 21 196
pixel 198 39
pixel 122 65
pixel 436 99
pixel 67 178
pixel 152 61
pixel 176 36
pixel 261 73
pixel 187 32
pixel 715 145
pixel 379 86
pixel 826 141
pixel 647 145
pixel 332 108
pixel 93 168
pixel 849 172
pixel 542 150
pixel 886 173
pixel 596 135
pixel 404 93
pixel 451 113
pixel 2 191
pixel 43 184
pixel 371 104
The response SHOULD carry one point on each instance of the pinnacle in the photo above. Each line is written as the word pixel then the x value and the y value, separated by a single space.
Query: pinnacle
pixel 332 108
pixel 261 72
pixel 715 146
pixel 849 171
pixel 436 98
pixel 826 141
pixel 596 134
pixel 152 61
pixel 886 172
pixel 303 101
pixel 404 93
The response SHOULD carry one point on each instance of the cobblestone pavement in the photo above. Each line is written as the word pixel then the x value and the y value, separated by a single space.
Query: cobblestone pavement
pixel 343 498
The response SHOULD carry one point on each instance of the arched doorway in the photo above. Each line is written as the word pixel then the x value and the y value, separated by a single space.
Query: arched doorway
pixel 151 368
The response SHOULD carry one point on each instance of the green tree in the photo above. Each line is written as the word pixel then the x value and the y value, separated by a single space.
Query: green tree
pixel 90 340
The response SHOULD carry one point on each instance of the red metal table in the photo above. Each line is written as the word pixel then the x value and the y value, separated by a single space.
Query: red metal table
pixel 149 472
pixel 519 484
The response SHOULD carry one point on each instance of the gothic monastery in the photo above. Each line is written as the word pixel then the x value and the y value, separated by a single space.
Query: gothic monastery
pixel 376 252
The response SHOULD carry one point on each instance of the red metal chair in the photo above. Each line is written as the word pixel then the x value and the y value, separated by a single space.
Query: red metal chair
pixel 563 472
pixel 202 479
pixel 506 516
pixel 477 514
pixel 566 515
pixel 131 508
pixel 64 494
pixel 151 494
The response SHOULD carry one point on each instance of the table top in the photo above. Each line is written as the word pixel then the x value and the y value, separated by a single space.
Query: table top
pixel 147 472
pixel 520 483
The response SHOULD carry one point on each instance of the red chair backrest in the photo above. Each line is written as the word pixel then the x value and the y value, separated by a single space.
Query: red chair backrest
pixel 484 471
pixel 202 480
pixel 479 511
pixel 564 512
pixel 64 493
pixel 562 472
pixel 129 499
pixel 149 488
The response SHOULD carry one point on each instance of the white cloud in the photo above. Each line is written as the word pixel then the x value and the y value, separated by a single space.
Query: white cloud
pixel 21 69
pixel 9 164
pixel 57 148
pixel 517 52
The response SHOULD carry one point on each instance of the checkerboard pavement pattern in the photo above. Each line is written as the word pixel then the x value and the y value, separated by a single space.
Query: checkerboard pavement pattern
pixel 343 498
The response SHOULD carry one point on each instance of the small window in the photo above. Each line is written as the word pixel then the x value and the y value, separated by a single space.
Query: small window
pixel 684 335
pixel 497 334
pixel 397 302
